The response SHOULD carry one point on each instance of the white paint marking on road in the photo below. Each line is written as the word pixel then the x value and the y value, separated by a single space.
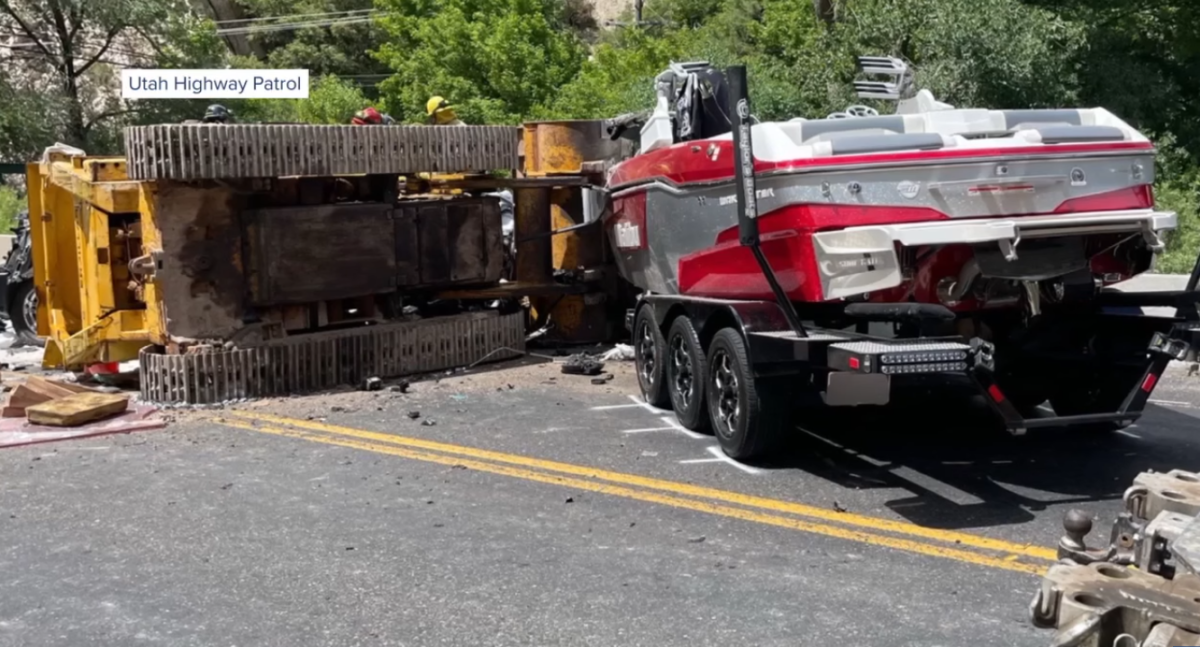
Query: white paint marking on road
pixel 554 429
pixel 646 405
pixel 637 402
pixel 642 431
pixel 1172 403
pixel 693 461
pixel 1126 433
pixel 720 455
pixel 823 439
pixel 678 427
pixel 921 480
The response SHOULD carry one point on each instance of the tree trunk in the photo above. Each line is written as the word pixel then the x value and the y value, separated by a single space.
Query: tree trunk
pixel 76 134
pixel 825 10
pixel 224 10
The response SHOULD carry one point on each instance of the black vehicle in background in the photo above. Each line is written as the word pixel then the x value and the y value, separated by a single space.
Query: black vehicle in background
pixel 18 299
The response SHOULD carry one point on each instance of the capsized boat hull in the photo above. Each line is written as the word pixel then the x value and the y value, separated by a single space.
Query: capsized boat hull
pixel 836 227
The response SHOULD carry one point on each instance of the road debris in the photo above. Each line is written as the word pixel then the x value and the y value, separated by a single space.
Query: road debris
pixel 414 414
pixel 36 390
pixel 428 422
pixel 582 364
pixel 401 387
pixel 77 409
pixel 619 353
pixel 372 384
pixel 603 379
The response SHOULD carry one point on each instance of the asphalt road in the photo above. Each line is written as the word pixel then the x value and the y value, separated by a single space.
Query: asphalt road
pixel 539 509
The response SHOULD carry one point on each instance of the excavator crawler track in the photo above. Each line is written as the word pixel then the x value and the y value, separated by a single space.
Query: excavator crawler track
pixel 214 152
pixel 329 359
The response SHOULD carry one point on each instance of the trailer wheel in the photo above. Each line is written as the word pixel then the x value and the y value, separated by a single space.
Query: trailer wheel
pixel 686 371
pixel 746 415
pixel 648 353
pixel 23 315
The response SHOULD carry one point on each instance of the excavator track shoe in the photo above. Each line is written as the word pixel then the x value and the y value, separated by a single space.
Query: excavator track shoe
pixel 330 359
pixel 215 152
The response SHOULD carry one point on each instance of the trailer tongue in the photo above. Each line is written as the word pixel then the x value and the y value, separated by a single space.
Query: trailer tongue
pixel 741 365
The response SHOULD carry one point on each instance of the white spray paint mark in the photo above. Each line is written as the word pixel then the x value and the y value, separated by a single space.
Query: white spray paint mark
pixel 646 429
pixel 693 461
pixel 678 427
pixel 720 455
pixel 637 402
pixel 1130 435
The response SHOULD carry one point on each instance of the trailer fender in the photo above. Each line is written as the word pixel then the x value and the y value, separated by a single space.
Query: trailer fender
pixel 747 317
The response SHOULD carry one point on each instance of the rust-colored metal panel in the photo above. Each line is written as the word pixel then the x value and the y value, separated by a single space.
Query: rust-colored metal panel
pixel 566 147
pixel 307 254
pixel 449 242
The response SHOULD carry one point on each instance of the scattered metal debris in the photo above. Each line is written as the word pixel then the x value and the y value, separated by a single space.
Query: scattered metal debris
pixel 414 414
pixel 603 379
pixel 372 384
pixel 582 364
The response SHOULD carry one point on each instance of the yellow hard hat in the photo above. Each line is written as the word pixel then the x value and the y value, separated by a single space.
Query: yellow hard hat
pixel 435 105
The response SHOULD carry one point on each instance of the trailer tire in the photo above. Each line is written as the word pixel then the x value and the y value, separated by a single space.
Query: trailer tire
pixel 686 370
pixel 748 416
pixel 649 349
pixel 23 315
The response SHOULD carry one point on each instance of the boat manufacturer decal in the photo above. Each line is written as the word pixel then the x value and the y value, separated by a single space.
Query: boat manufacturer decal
pixel 629 235
pixel 1078 178
pixel 909 189
pixel 714 152
pixel 727 200
pixel 867 261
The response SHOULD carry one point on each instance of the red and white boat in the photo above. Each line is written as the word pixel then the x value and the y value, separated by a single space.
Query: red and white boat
pixel 970 208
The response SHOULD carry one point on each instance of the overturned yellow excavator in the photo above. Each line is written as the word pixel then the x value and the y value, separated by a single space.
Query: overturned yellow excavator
pixel 247 260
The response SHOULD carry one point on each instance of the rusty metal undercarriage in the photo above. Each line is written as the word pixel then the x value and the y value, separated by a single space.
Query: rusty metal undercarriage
pixel 273 259
pixel 1143 588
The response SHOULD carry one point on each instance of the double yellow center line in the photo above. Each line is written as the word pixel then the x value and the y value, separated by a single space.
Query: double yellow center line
pixel 947 544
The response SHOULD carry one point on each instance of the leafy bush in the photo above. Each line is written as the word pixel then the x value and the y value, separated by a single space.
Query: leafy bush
pixel 11 203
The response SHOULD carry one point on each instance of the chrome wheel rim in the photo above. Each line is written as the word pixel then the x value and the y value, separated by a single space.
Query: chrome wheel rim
pixel 645 353
pixel 728 403
pixel 683 379
pixel 29 310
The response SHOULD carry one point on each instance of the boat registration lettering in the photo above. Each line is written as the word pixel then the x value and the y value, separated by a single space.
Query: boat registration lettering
pixel 629 236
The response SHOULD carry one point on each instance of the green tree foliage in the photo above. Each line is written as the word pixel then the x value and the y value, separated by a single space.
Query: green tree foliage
pixel 336 37
pixel 11 203
pixel 65 54
pixel 498 60
pixel 331 100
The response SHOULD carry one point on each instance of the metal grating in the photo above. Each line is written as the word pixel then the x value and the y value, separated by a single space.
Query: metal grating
pixel 211 151
pixel 326 360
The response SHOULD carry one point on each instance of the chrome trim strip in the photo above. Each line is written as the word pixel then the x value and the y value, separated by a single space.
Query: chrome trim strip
pixel 653 181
